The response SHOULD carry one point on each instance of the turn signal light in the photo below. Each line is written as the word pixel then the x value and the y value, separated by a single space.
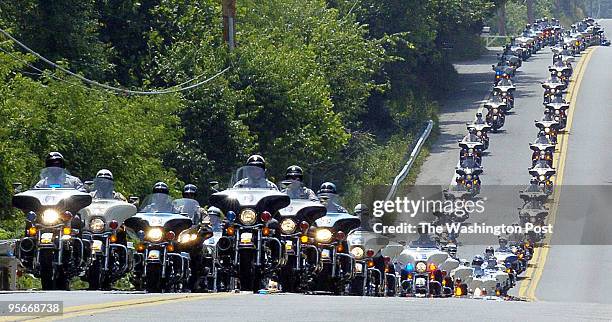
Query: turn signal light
pixel 266 231
pixel 113 238
pixel 370 263
pixel 170 247
pixel 140 247
pixel 340 248
pixel 32 231
pixel 458 291
pixel 66 230
pixel 497 292
pixel 304 239
pixel 230 231
pixel 432 267
pixel 409 276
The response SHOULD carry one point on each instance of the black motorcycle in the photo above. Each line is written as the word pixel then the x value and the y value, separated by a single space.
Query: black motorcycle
pixel 53 248
pixel 250 250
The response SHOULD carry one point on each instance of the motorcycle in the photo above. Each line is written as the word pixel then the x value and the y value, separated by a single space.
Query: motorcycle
pixel 160 265
pixel 468 176
pixel 542 173
pixel 495 114
pixel 328 235
pixel 471 147
pixel 373 274
pixel 505 90
pixel 53 248
pixel 420 274
pixel 559 109
pixel 549 128
pixel 250 249
pixel 112 256
pixel 303 258
pixel 481 130
pixel 490 279
pixel 542 149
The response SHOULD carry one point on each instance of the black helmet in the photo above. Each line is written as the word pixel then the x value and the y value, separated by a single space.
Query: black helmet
pixel 161 187
pixel 54 159
pixel 106 174
pixel 189 191
pixel 328 187
pixel 478 114
pixel 490 251
pixel 533 181
pixel 477 260
pixel 294 172
pixel 361 209
pixel 256 160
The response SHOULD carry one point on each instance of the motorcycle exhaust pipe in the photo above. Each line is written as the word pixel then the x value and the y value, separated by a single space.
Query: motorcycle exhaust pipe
pixel 224 243
pixel 26 245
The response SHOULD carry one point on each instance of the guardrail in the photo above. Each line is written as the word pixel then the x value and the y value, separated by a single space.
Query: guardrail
pixel 413 155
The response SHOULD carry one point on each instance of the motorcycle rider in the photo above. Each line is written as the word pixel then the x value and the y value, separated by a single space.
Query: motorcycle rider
pixel 451 249
pixel 479 119
pixel 105 189
pixel 363 212
pixel 489 252
pixel 477 263
pixel 548 115
pixel 329 196
pixel 189 192
pixel 503 244
pixel 256 179
pixel 295 173
pixel 161 199
pixel 55 173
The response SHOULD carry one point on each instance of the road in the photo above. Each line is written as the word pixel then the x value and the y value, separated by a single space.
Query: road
pixel 569 280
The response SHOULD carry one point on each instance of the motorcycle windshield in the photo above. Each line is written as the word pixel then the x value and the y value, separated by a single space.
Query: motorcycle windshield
pixel 469 163
pixel 505 82
pixel 543 140
pixel 103 188
pixel 541 164
pixel 54 177
pixel 331 201
pixel 250 177
pixel 188 207
pixel 157 202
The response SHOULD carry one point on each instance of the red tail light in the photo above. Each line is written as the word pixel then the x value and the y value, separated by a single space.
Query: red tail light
pixel 370 253
pixel 170 235
pixel 266 216
pixel 113 224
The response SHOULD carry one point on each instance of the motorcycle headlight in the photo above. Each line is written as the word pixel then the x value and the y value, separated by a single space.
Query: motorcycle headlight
pixel 187 236
pixel 50 217
pixel 557 112
pixel 533 220
pixel 494 110
pixel 421 267
pixel 248 216
pixel 469 177
pixel 547 130
pixel 287 226
pixel 324 235
pixel 479 133
pixel 155 234
pixel 96 225
pixel 542 177
pixel 470 150
pixel 558 73
pixel 358 252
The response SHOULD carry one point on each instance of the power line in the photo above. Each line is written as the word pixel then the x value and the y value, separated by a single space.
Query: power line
pixel 116 89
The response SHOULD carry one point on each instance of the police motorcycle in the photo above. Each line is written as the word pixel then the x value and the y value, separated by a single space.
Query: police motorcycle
pixel 505 90
pixel 542 173
pixel 468 176
pixel 462 277
pixel 495 117
pixel 54 249
pixel 420 273
pixel 192 241
pixel 214 280
pixel 374 275
pixel 552 87
pixel 471 147
pixel 526 42
pixel 543 149
pixel 480 129
pixel 160 264
pixel 502 71
pixel 558 106
pixel 562 70
pixel 506 257
pixel 548 126
pixel 328 235
pixel 534 214
pixel 295 220
pixel 250 252
pixel 112 255
pixel 489 278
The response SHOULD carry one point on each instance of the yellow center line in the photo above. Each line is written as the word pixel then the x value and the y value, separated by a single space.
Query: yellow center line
pixel 535 270
pixel 90 309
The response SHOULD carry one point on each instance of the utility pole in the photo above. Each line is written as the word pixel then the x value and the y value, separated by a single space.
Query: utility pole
pixel 229 23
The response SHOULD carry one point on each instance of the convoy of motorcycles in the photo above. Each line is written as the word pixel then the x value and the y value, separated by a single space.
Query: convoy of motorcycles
pixel 256 237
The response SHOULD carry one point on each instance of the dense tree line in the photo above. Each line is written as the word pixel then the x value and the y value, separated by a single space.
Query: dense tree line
pixel 338 86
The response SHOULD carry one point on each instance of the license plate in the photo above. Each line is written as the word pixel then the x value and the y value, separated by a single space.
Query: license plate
pixel 97 246
pixel 358 268
pixel 325 254
pixel 246 238
pixel 46 238
pixel 289 245
pixel 153 255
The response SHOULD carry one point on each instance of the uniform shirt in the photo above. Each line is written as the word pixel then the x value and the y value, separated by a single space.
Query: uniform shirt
pixel 69 182
pixel 302 193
